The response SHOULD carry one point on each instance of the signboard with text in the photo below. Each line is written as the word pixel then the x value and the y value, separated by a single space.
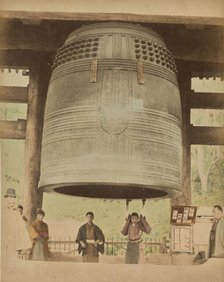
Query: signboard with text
pixel 183 215
pixel 182 239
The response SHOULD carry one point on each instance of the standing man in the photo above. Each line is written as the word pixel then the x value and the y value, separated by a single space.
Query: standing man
pixel 216 242
pixel 134 228
pixel 90 239
pixel 39 235
pixel 15 237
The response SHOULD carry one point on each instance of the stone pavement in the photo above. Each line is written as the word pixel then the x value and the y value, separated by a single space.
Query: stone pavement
pixel 30 271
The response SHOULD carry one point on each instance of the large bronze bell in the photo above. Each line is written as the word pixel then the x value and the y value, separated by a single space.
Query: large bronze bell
pixel 112 124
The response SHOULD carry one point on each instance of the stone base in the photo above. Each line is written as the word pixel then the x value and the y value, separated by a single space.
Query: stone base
pixel 182 259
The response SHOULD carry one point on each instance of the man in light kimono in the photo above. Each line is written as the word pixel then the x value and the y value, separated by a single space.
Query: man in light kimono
pixel 90 239
pixel 15 237
pixel 216 240
pixel 133 228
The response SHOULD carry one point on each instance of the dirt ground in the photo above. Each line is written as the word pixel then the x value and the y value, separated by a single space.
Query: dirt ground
pixel 30 271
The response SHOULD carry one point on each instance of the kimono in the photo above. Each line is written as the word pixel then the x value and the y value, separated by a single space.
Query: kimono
pixel 134 252
pixel 89 234
pixel 39 235
pixel 216 240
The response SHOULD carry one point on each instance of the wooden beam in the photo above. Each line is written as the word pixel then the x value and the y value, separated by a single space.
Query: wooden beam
pixel 39 79
pixel 15 58
pixel 12 129
pixel 12 94
pixel 201 69
pixel 18 36
pixel 127 17
pixel 22 59
pixel 205 45
pixel 206 100
pixel 206 135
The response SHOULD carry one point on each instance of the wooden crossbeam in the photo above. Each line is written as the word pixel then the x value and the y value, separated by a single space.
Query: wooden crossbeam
pixel 205 45
pixel 199 100
pixel 13 94
pixel 201 69
pixel 13 129
pixel 17 36
pixel 127 17
pixel 22 59
pixel 206 135
pixel 15 58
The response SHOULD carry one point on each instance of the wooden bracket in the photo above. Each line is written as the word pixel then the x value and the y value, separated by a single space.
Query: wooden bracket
pixel 13 129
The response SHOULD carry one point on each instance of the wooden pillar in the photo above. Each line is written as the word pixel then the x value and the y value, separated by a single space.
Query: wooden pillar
pixel 39 78
pixel 185 90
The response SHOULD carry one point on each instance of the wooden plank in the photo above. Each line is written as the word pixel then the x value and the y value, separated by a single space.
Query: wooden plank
pixel 13 94
pixel 127 17
pixel 206 135
pixel 12 129
pixel 206 100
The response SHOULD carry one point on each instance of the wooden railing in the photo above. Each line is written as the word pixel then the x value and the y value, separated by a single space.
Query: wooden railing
pixel 114 246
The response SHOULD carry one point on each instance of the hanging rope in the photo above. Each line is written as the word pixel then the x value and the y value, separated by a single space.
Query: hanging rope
pixel 142 210
pixel 143 207
pixel 127 207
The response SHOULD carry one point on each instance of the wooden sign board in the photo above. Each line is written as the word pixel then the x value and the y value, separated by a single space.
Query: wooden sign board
pixel 182 239
pixel 183 215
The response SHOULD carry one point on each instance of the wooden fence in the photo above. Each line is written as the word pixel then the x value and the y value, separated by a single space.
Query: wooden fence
pixel 114 246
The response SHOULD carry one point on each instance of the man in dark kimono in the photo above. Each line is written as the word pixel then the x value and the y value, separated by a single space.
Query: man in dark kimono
pixel 133 228
pixel 39 235
pixel 216 240
pixel 90 239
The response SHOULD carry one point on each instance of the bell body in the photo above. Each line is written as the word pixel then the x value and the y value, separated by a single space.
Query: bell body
pixel 112 126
